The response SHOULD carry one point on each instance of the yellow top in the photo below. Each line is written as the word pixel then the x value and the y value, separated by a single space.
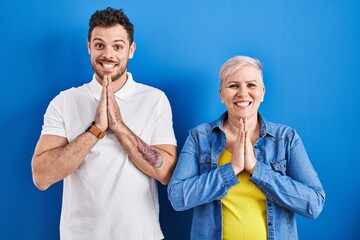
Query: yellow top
pixel 243 208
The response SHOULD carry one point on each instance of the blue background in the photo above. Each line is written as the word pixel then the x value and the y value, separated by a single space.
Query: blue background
pixel 310 52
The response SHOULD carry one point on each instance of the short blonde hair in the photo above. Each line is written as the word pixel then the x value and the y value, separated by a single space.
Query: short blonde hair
pixel 236 63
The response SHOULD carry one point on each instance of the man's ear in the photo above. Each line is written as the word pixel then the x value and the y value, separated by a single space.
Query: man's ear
pixel 132 50
pixel 88 46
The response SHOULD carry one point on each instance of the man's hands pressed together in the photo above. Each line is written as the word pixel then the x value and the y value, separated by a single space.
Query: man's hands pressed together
pixel 108 112
pixel 108 117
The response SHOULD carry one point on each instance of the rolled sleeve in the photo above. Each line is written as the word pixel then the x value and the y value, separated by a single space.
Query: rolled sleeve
pixel 228 175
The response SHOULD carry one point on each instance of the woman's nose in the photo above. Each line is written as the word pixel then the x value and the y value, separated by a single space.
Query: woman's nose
pixel 242 91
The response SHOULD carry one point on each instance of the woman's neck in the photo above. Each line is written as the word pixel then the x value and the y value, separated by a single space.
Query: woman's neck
pixel 231 128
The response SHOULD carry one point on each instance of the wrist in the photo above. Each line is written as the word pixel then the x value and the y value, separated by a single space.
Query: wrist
pixel 251 170
pixel 100 134
pixel 236 168
pixel 119 128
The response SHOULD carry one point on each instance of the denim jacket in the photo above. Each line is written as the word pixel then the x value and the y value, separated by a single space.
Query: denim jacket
pixel 283 173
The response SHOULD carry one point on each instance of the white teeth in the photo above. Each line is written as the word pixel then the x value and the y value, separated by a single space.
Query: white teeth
pixel 242 104
pixel 108 65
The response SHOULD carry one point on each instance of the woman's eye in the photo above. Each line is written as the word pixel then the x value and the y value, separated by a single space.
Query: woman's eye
pixel 251 85
pixel 233 86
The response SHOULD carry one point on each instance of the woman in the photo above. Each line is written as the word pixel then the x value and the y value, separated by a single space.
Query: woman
pixel 245 177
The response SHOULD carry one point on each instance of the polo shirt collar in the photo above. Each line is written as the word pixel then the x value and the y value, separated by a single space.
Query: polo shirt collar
pixel 124 92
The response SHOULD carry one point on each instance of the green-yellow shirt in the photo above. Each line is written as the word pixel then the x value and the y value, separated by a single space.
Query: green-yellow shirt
pixel 243 208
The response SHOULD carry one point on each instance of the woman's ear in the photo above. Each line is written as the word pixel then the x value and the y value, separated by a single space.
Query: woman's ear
pixel 220 93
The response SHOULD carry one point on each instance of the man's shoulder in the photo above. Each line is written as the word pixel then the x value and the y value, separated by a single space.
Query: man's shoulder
pixel 76 89
pixel 145 87
pixel 148 90
pixel 71 94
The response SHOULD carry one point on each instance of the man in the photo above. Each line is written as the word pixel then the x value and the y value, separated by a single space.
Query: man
pixel 109 140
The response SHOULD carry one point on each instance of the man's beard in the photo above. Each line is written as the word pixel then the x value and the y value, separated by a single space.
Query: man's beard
pixel 114 77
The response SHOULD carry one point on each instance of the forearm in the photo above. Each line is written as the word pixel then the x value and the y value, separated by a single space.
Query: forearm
pixel 306 199
pixel 50 165
pixel 153 161
pixel 187 192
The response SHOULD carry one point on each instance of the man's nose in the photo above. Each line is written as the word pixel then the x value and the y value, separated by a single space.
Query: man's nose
pixel 107 53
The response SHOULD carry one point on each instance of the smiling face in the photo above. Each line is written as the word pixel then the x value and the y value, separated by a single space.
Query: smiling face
pixel 110 50
pixel 242 92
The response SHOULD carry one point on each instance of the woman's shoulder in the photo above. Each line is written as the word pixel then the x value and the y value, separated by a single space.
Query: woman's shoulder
pixel 277 126
pixel 202 128
pixel 207 128
pixel 279 130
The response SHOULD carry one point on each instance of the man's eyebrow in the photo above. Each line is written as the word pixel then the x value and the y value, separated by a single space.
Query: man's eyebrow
pixel 97 39
pixel 116 41
pixel 120 40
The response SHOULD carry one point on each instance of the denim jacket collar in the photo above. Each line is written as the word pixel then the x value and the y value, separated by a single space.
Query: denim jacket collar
pixel 265 126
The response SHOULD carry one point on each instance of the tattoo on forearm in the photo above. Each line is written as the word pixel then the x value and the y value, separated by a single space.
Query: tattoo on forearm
pixel 111 119
pixel 149 155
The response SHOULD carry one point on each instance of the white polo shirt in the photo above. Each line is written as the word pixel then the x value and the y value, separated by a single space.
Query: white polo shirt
pixel 108 197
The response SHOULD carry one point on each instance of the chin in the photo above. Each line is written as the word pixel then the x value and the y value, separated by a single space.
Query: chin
pixel 115 77
pixel 242 115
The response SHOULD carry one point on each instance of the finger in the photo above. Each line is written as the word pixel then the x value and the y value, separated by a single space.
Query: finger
pixel 111 95
pixel 103 91
pixel 114 115
pixel 245 127
pixel 105 81
pixel 248 134
pixel 239 150
pixel 243 131
pixel 250 159
pixel 100 117
pixel 240 140
pixel 241 126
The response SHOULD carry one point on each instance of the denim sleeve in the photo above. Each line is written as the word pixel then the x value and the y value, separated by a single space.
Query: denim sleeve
pixel 188 188
pixel 297 189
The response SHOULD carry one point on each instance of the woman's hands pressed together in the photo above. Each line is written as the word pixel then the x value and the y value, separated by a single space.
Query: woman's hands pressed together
pixel 243 152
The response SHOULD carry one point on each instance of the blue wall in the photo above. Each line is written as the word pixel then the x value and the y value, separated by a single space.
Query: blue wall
pixel 310 53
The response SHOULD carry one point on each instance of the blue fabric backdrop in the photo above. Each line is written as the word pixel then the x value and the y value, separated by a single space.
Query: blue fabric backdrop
pixel 310 53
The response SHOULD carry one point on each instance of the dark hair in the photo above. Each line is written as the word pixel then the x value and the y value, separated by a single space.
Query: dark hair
pixel 109 17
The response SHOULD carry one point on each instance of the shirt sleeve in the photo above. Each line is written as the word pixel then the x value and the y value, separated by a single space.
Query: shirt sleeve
pixel 53 120
pixel 189 188
pixel 163 131
pixel 292 184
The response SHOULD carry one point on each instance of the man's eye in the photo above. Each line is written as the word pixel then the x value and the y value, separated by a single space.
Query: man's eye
pixel 251 85
pixel 99 46
pixel 118 47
